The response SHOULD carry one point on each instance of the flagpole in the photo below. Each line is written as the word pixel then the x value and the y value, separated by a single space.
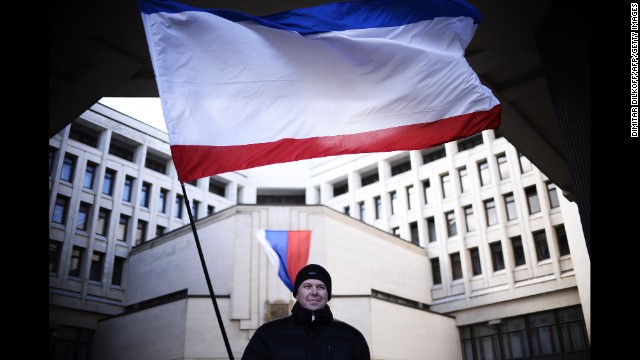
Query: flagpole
pixel 206 272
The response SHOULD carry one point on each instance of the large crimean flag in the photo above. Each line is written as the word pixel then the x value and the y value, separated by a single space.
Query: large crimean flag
pixel 240 91
pixel 288 251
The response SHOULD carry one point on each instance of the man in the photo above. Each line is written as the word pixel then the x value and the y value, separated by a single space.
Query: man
pixel 310 332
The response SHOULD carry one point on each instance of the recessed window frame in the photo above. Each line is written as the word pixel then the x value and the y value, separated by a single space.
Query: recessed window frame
pixel 456 266
pixel 497 256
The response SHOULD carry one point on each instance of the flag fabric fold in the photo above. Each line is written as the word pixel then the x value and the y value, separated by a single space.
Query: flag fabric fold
pixel 288 251
pixel 240 91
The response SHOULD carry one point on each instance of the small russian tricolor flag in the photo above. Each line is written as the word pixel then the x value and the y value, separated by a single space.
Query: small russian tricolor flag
pixel 288 251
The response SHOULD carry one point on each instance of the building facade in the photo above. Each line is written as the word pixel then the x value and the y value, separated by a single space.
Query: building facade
pixel 112 186
pixel 504 257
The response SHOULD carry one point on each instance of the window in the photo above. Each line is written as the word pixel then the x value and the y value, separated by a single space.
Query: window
pixel 400 167
pixel 456 266
pixel 347 210
pixel 282 199
pixel 340 188
pixel 118 268
pixel 532 199
pixel 369 179
pixel 76 261
pixel 68 168
pixel 123 227
pixel 103 221
pixel 71 342
pixel 194 209
pixel 411 194
pixel 97 263
pixel 451 223
pixel 193 182
pixel 543 335
pixel 210 209
pixel 109 178
pixel 503 167
pixel 476 267
pixel 434 154
pixel 362 212
pixel 465 182
pixel 83 216
pixel 396 231
pixel 84 134
pixel 428 193
pixel 470 142
pixel 393 196
pixel 496 256
pixel 469 218
pixel 378 202
pixel 162 201
pixel 446 185
pixel 128 189
pixel 572 330
pixel 490 212
pixel 160 230
pixel 52 156
pixel 431 229
pixel 435 271
pixel 552 190
pixel 141 232
pixel 542 248
pixel 518 250
pixel 563 244
pixel 177 212
pixel 510 205
pixel 145 192
pixel 155 163
pixel 217 187
pixel 485 177
pixel 60 209
pixel 89 175
pixel 121 149
pixel 525 164
pixel 413 229
pixel 55 249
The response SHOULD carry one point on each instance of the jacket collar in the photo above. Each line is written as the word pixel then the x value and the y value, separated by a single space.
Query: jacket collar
pixel 305 316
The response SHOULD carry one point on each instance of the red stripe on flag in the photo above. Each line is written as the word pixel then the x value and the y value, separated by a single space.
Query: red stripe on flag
pixel 298 254
pixel 196 161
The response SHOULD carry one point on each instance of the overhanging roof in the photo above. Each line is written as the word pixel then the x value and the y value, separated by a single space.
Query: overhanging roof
pixel 98 49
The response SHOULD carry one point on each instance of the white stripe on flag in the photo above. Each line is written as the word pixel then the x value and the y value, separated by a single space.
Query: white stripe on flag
pixel 271 254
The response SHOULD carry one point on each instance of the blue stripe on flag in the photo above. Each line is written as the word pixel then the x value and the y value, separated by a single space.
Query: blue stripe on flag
pixel 279 241
pixel 337 16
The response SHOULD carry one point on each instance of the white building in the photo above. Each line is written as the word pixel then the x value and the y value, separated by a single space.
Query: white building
pixel 460 251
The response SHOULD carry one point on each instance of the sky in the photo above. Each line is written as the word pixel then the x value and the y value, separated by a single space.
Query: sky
pixel 145 109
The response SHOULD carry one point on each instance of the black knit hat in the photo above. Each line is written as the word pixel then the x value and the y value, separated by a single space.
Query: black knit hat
pixel 313 271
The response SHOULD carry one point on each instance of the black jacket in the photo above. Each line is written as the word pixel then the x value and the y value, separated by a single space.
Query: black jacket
pixel 297 337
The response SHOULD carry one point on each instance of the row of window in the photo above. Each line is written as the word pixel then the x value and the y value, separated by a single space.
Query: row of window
pixel 491 215
pixel 370 177
pixel 554 334
pixel 120 147
pixel 61 207
pixel 67 173
pixel 429 155
pixel 77 257
pixel 101 228
pixel 497 255
pixel 465 186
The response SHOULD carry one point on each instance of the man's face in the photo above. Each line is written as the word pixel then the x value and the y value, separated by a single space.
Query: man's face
pixel 312 294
